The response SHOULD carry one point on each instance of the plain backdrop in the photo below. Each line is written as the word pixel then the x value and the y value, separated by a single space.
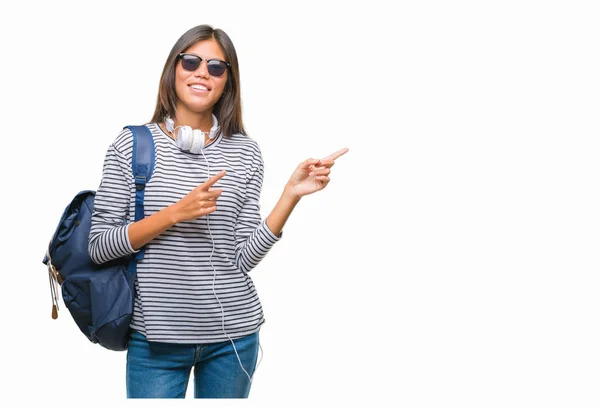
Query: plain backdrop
pixel 452 260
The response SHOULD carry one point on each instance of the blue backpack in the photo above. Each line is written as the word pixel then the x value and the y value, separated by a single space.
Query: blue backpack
pixel 99 296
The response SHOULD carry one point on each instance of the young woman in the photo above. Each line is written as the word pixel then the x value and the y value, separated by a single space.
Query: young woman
pixel 196 306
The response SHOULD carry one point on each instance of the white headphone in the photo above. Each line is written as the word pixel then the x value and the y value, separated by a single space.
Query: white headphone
pixel 193 141
pixel 189 139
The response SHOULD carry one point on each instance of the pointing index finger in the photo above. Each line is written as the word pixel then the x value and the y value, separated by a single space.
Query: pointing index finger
pixel 337 154
pixel 211 181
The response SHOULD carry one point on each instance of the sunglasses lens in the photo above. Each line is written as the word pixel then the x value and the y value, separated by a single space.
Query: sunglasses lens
pixel 216 68
pixel 190 62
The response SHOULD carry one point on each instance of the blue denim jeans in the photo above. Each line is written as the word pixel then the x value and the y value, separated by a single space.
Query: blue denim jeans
pixel 162 370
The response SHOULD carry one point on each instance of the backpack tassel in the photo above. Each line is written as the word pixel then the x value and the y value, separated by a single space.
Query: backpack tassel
pixel 55 281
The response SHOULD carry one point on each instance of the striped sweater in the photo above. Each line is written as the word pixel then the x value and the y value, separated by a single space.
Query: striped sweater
pixel 185 289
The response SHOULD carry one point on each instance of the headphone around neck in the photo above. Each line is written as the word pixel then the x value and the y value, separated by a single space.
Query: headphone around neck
pixel 193 141
pixel 189 139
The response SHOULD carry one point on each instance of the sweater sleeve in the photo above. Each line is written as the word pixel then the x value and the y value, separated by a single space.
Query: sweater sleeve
pixel 253 237
pixel 108 239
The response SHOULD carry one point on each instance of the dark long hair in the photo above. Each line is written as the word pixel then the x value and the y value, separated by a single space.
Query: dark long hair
pixel 228 109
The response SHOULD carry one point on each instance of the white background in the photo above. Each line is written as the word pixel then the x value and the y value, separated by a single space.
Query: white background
pixel 453 259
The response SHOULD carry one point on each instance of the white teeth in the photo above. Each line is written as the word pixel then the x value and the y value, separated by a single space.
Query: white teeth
pixel 199 87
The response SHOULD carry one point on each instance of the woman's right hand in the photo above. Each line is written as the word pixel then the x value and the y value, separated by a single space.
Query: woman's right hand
pixel 201 201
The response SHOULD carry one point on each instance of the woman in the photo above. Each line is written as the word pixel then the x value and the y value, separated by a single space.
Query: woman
pixel 196 305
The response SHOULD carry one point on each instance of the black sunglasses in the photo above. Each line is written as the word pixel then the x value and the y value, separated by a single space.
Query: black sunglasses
pixel 191 62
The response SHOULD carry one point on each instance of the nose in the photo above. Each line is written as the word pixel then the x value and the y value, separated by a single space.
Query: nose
pixel 202 70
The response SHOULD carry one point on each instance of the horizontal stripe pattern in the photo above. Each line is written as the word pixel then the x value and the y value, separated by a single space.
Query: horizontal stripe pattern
pixel 182 278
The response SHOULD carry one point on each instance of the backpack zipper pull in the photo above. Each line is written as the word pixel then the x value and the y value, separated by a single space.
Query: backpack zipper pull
pixel 54 278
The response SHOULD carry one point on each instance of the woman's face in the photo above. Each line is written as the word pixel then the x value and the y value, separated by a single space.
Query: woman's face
pixel 198 91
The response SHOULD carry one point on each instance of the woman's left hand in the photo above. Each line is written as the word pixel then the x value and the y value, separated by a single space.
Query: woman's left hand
pixel 312 175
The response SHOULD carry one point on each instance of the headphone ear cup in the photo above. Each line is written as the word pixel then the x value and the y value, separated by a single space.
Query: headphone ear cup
pixel 185 138
pixel 197 141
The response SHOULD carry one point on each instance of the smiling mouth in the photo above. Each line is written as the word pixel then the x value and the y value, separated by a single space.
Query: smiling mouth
pixel 199 87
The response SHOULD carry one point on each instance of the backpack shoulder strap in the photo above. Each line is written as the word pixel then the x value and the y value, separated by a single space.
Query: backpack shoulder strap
pixel 142 164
